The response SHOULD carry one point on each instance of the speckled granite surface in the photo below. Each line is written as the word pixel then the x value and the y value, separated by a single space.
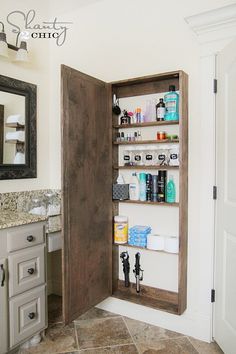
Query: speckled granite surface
pixel 10 218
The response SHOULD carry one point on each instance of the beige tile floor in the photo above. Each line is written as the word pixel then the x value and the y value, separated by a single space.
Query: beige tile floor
pixel 102 332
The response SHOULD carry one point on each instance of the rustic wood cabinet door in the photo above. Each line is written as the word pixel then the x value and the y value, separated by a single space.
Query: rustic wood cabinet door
pixel 87 191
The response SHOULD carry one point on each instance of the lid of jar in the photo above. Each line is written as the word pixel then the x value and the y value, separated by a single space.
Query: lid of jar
pixel 120 218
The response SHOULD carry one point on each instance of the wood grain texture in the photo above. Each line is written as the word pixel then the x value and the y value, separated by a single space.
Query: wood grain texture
pixel 143 167
pixel 144 142
pixel 183 193
pixel 29 91
pixel 148 296
pixel 145 124
pixel 1 132
pixel 87 190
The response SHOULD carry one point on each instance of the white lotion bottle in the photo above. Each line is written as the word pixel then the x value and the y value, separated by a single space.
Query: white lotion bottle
pixel 134 189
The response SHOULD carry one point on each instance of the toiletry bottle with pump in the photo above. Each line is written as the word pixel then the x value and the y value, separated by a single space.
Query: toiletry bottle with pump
pixel 143 187
pixel 170 191
pixel 172 104
pixel 134 189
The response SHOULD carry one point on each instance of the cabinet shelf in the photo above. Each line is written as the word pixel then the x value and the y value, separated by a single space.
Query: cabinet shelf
pixel 143 248
pixel 144 142
pixel 146 202
pixel 15 125
pixel 143 167
pixel 14 142
pixel 146 124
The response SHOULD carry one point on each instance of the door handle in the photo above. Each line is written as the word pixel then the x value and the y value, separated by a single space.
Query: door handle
pixel 31 271
pixel 31 315
pixel 3 275
pixel 30 238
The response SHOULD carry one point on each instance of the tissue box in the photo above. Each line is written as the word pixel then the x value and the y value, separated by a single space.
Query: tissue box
pixel 120 191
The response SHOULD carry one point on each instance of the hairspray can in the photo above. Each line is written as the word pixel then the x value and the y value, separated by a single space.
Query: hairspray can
pixel 162 176
pixel 149 186
pixel 154 188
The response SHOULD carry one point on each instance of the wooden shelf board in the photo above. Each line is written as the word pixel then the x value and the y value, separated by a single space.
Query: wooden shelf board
pixel 151 297
pixel 14 125
pixel 146 202
pixel 146 124
pixel 142 248
pixel 143 142
pixel 156 167
pixel 14 142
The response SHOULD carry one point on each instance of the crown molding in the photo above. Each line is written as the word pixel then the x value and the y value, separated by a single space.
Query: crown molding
pixel 214 25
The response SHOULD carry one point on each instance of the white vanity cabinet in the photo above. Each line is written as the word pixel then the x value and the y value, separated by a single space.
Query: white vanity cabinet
pixel 23 301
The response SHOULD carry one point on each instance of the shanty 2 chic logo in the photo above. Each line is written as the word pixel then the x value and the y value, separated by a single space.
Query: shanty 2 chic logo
pixel 27 25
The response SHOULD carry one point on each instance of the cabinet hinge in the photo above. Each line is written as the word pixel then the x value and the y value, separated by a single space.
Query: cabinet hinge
pixel 214 192
pixel 215 85
pixel 213 295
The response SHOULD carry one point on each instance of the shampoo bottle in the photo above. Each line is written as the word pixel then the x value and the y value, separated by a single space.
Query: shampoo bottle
pixel 170 191
pixel 172 104
pixel 134 187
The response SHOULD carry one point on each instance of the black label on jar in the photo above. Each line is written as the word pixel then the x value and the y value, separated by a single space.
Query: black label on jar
pixel 161 157
pixel 173 156
pixel 126 157
pixel 137 158
pixel 149 157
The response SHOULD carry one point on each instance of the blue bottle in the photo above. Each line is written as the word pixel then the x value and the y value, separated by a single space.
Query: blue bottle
pixel 172 104
pixel 170 191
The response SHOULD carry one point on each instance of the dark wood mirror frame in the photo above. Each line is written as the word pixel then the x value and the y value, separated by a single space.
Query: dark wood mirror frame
pixel 29 91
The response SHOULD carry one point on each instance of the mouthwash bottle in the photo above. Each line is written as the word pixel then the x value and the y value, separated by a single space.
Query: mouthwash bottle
pixel 172 104
pixel 170 191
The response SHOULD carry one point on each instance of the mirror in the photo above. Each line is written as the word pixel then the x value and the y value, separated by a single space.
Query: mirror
pixel 17 129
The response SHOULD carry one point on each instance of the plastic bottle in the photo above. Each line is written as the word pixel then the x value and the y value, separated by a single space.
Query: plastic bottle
pixel 120 229
pixel 172 104
pixel 142 186
pixel 170 191
pixel 134 189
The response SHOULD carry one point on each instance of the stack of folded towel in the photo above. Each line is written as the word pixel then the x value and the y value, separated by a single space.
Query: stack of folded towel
pixel 138 235
pixel 18 135
pixel 16 118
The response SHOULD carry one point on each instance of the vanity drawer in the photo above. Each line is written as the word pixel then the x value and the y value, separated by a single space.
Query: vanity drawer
pixel 27 314
pixel 26 269
pixel 25 236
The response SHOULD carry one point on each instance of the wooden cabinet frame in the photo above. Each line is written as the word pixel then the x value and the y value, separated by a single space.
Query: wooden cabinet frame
pixel 87 105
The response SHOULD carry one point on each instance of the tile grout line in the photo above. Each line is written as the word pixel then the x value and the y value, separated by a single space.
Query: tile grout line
pixel 96 319
pixel 193 345
pixel 76 336
pixel 136 346
pixel 107 346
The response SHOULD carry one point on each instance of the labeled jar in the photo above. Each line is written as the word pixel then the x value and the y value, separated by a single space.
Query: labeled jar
pixel 137 156
pixel 174 156
pixel 163 157
pixel 149 156
pixel 120 229
pixel 127 157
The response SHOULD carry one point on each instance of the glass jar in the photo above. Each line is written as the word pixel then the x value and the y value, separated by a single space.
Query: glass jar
pixel 127 157
pixel 37 206
pixel 53 205
pixel 149 156
pixel 174 156
pixel 138 156
pixel 162 157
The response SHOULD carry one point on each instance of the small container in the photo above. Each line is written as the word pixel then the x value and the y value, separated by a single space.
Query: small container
pixel 174 156
pixel 37 206
pixel 127 157
pixel 53 206
pixel 161 136
pixel 162 157
pixel 138 156
pixel 120 229
pixel 149 156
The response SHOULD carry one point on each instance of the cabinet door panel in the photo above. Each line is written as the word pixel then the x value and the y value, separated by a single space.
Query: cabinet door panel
pixel 87 186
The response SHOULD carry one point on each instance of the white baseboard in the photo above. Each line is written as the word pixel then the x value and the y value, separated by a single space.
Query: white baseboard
pixel 190 324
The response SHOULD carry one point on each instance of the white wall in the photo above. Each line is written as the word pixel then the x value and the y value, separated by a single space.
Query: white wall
pixel 35 72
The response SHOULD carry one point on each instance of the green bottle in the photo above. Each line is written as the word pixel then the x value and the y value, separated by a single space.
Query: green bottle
pixel 170 191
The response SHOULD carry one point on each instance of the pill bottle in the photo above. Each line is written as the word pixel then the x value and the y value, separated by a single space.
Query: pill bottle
pixel 120 229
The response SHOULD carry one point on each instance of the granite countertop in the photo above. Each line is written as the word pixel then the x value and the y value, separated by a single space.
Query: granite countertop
pixel 10 218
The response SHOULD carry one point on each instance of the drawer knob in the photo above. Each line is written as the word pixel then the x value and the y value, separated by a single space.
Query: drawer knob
pixel 31 315
pixel 31 270
pixel 30 238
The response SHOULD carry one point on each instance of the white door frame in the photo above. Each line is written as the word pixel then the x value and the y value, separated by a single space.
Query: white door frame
pixel 213 30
